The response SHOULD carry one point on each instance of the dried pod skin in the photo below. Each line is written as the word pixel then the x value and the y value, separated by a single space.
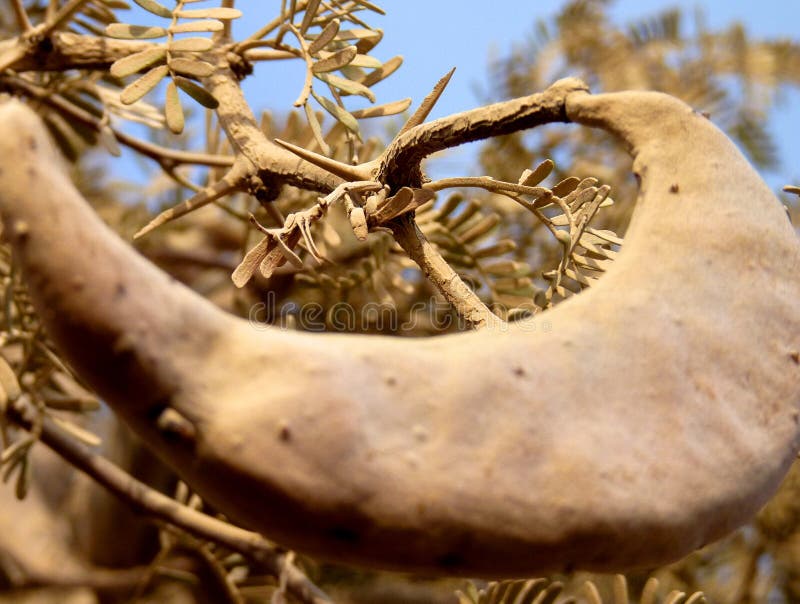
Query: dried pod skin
pixel 657 410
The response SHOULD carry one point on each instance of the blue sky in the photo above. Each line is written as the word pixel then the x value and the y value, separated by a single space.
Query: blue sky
pixel 437 35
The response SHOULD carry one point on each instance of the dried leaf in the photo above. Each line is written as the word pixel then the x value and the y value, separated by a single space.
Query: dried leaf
pixel 605 235
pixel 191 67
pixel 151 6
pixel 327 34
pixel 124 31
pixel 649 591
pixel 674 597
pixel 392 108
pixel 308 17
pixel 367 42
pixel 275 256
pixel 346 86
pixel 335 61
pixel 316 129
pixel 473 207
pixel 370 6
pixel 108 140
pixel 503 246
pixel 531 178
pixel 339 113
pixel 197 26
pixel 566 186
pixel 221 13
pixel 69 142
pixel 191 45
pixel 481 228
pixel 137 62
pixel 620 585
pixel 365 61
pixel 243 273
pixel 508 268
pixel 143 85
pixel 387 69
pixel 173 110
pixel 197 92
pixel 358 221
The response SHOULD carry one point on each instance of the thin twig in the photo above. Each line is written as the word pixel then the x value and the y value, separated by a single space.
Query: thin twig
pixel 488 184
pixel 64 14
pixel 271 26
pixel 21 16
pixel 160 507
pixel 164 156
pixel 465 302
pixel 260 54
pixel 309 79
pixel 232 181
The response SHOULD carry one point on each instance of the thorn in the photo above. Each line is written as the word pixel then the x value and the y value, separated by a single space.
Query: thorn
pixel 424 110
pixel 222 187
pixel 346 171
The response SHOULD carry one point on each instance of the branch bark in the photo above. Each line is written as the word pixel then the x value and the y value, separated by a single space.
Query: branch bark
pixel 157 506
pixel 400 163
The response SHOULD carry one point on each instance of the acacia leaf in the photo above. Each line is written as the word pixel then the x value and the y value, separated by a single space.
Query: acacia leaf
pixel 124 31
pixel 325 36
pixel 137 62
pixel 222 13
pixel 151 6
pixel 210 25
pixel 136 90
pixel 173 110
pixel 339 113
pixel 191 44
pixel 191 67
pixel 197 92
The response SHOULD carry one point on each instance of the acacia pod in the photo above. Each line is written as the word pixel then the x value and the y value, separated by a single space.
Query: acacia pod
pixel 628 426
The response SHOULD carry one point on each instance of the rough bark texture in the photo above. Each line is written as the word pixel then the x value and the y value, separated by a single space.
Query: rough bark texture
pixel 626 427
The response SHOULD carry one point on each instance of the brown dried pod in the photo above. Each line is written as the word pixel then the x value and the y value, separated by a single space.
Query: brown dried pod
pixel 656 411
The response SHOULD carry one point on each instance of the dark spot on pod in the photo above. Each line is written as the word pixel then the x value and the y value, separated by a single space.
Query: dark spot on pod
pixel 120 290
pixel 795 356
pixel 391 381
pixel 450 560
pixel 284 432
pixel 519 371
pixel 32 143
pixel 345 534
pixel 674 188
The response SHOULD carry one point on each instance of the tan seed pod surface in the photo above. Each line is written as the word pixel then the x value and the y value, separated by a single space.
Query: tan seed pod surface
pixel 630 425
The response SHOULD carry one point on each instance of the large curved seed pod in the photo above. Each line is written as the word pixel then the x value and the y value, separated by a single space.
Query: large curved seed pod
pixel 626 427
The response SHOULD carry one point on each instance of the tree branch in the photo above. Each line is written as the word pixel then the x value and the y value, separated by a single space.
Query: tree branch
pixel 21 16
pixel 436 269
pixel 151 503
pixel 401 161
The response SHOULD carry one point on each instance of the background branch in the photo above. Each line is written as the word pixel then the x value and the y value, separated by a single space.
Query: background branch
pixel 158 506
